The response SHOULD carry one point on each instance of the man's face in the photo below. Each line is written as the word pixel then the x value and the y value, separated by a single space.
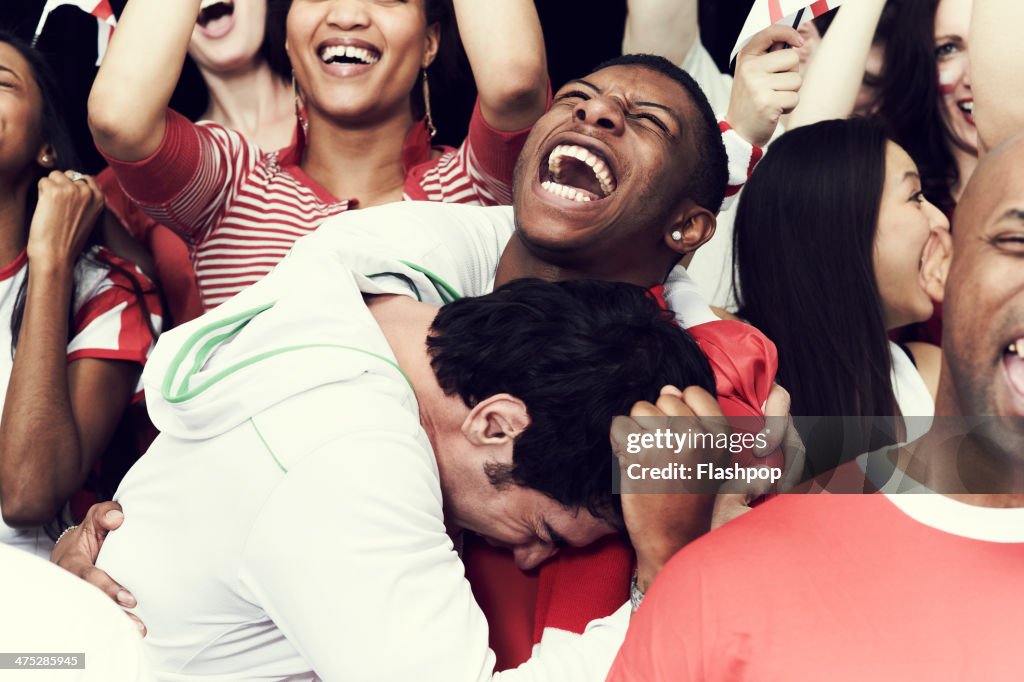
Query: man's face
pixel 530 524
pixel 601 173
pixel 984 308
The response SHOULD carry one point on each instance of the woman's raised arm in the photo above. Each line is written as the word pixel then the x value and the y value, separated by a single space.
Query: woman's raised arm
pixel 129 98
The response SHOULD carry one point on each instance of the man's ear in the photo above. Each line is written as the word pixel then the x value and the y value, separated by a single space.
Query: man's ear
pixel 938 254
pixel 496 420
pixel 691 230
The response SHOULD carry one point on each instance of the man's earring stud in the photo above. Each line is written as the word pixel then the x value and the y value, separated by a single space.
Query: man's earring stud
pixel 677 235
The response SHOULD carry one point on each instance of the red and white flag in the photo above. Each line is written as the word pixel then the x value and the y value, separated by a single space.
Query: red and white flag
pixel 764 13
pixel 98 8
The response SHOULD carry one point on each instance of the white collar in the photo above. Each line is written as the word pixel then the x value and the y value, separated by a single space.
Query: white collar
pixel 944 513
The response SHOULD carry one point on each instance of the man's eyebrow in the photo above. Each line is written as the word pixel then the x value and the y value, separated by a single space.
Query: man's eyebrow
pixel 556 538
pixel 655 105
pixel 666 109
pixel 588 84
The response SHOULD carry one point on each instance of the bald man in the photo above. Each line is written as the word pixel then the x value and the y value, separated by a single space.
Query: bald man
pixel 882 586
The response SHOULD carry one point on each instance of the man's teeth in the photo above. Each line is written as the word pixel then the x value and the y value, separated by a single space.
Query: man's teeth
pixel 333 52
pixel 1017 347
pixel 600 168
pixel 210 3
pixel 565 191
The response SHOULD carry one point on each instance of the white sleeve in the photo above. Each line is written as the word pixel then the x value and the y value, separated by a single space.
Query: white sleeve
pixel 436 251
pixel 685 299
pixel 717 86
pixel 350 559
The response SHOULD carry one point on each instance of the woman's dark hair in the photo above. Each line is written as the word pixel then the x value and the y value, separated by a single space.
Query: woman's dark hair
pixel 803 246
pixel 908 101
pixel 448 72
pixel 577 353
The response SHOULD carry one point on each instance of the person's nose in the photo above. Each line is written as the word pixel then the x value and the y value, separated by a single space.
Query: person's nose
pixel 937 220
pixel 348 15
pixel 533 555
pixel 602 112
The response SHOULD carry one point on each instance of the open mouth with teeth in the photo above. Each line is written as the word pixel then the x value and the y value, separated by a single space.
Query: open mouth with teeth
pixel 1013 363
pixel 213 10
pixel 578 174
pixel 349 54
pixel 966 107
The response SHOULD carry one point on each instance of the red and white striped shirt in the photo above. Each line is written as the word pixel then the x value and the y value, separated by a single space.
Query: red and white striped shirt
pixel 241 209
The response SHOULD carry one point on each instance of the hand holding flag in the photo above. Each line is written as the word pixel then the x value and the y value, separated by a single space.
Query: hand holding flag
pixel 764 13
pixel 767 84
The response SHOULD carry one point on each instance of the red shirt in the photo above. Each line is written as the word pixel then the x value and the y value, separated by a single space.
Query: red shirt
pixel 833 587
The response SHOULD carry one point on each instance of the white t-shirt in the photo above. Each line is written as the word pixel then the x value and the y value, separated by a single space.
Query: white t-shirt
pixel 48 610
pixel 712 264
pixel 288 522
pixel 109 324
pixel 912 394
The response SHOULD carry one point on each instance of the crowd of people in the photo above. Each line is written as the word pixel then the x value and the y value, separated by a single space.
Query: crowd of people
pixel 307 394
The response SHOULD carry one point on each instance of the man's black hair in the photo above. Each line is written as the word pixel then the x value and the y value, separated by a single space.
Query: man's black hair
pixel 577 353
pixel 710 177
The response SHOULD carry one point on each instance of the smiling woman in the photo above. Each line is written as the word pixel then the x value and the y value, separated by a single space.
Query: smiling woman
pixel 926 100
pixel 361 77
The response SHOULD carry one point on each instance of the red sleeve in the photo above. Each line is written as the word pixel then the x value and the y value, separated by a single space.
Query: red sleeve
pixel 192 177
pixel 137 223
pixel 745 363
pixel 478 172
pixel 110 320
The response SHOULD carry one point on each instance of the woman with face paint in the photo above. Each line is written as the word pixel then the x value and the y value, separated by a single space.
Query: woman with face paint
pixel 361 75
pixel 926 99
pixel 927 106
